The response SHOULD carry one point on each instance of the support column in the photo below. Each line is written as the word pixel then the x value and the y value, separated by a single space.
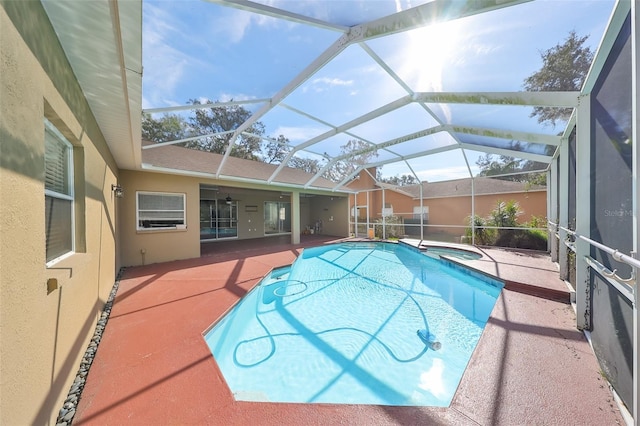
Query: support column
pixel 563 208
pixel 635 96
pixel 295 217
pixel 368 207
pixel 552 206
pixel 583 211
pixel 356 211
pixel 421 215
pixel 473 211
pixel 384 217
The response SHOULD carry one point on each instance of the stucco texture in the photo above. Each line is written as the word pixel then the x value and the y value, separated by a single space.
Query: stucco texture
pixel 43 335
pixel 153 246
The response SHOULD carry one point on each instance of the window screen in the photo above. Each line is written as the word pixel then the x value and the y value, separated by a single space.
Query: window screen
pixel 612 213
pixel 160 210
pixel 58 185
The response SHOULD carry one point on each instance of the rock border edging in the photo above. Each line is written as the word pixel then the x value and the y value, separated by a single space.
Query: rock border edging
pixel 68 410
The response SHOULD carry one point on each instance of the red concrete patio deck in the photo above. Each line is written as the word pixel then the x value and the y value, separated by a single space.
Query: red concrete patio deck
pixel 153 367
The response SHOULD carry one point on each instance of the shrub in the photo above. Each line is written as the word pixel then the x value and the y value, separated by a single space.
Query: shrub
pixel 537 222
pixel 394 227
pixel 531 239
pixel 483 236
pixel 505 215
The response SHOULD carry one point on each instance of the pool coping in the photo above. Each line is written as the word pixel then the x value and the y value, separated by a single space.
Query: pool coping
pixel 483 277
pixel 153 365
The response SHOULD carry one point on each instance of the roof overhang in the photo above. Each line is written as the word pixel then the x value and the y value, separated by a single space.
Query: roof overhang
pixel 103 43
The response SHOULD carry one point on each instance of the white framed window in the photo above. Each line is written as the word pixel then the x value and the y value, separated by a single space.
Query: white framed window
pixel 417 210
pixel 160 210
pixel 387 210
pixel 58 194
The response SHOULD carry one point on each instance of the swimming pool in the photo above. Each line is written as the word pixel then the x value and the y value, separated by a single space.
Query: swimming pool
pixel 356 323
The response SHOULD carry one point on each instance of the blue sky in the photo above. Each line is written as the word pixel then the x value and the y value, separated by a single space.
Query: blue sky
pixel 197 49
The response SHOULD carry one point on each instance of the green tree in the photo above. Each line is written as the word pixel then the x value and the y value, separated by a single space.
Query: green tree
pixel 169 127
pixel 564 68
pixel 225 118
pixel 501 165
pixel 309 165
pixel 505 214
pixel 360 153
pixel 275 150
pixel 399 180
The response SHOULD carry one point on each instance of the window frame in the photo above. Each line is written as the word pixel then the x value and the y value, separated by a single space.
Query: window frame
pixel 183 225
pixel 425 213
pixel 50 128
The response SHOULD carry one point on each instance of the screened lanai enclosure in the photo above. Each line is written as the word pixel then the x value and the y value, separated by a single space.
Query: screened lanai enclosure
pixel 424 100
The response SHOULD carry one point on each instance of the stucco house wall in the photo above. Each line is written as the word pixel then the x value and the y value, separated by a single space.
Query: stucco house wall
pixel 45 334
pixel 402 204
pixel 153 246
pixel 446 208
pixel 332 212
pixel 456 210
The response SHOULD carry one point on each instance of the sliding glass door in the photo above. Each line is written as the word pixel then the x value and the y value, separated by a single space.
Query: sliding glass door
pixel 218 219
pixel 277 217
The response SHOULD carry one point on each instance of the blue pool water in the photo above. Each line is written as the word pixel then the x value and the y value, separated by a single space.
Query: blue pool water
pixel 436 251
pixel 346 323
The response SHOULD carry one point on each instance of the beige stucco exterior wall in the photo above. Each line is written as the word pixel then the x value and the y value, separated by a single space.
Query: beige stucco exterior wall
pixel 402 204
pixel 161 245
pixel 167 245
pixel 452 210
pixel 44 336
pixel 455 210
pixel 446 210
pixel 332 212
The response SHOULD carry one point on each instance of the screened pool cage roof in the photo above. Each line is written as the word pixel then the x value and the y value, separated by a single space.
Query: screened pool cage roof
pixel 426 86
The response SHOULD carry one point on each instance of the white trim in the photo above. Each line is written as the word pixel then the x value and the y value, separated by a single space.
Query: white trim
pixel 52 262
pixel 55 194
pixel 624 289
pixel 291 186
pixel 50 127
pixel 635 92
pixel 274 12
pixel 157 228
pixel 550 99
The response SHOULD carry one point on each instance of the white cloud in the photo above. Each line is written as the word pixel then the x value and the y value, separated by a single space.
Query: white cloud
pixel 226 97
pixel 443 174
pixel 325 83
pixel 235 24
pixel 333 81
pixel 297 134
pixel 165 66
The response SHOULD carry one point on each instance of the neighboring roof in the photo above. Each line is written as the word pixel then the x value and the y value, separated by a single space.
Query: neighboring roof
pixel 462 187
pixel 399 189
pixel 190 160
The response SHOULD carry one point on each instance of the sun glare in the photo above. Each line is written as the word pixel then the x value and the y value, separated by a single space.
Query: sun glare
pixel 427 52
